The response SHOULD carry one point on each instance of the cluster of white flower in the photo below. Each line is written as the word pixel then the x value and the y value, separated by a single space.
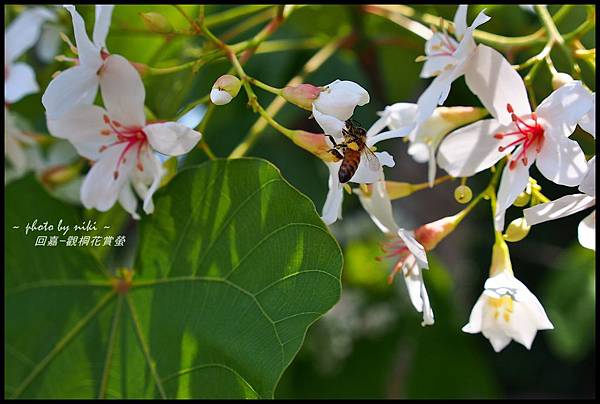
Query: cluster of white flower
pixel 117 138
pixel 123 146
pixel 507 309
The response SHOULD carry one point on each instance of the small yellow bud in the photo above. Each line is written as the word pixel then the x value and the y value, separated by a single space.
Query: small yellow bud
pixel 156 22
pixel 225 89
pixel 522 199
pixel 463 194
pixel 397 190
pixel 517 230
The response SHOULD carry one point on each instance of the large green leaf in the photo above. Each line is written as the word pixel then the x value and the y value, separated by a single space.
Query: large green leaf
pixel 232 268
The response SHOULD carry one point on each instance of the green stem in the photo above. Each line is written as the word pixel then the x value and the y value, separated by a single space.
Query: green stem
pixel 266 87
pixel 311 65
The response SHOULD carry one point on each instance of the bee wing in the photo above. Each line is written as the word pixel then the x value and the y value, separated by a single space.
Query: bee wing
pixel 372 159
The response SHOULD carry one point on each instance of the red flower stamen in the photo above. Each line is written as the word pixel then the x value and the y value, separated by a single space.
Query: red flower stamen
pixel 132 136
pixel 394 249
pixel 530 132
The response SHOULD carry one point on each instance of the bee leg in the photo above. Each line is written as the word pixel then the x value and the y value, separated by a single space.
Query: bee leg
pixel 332 139
pixel 336 154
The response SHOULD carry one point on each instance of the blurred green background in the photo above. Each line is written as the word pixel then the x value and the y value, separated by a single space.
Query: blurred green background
pixel 371 345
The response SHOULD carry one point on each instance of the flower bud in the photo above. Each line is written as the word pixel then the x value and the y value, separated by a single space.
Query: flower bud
pixel 156 22
pixel 560 79
pixel 225 89
pixel 397 190
pixel 59 175
pixel 517 230
pixel 522 199
pixel 301 95
pixel 430 234
pixel 316 143
pixel 463 194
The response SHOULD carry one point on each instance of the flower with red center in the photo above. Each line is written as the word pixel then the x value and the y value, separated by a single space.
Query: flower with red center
pixel 447 58
pixel 409 253
pixel 120 142
pixel 79 84
pixel 541 136
pixel 20 35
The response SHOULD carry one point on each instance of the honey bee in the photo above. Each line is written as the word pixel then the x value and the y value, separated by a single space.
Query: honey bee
pixel 353 147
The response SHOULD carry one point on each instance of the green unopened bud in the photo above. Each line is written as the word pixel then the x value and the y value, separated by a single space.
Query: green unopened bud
pixel 463 194
pixel 560 79
pixel 517 230
pixel 225 89
pixel 301 95
pixel 156 23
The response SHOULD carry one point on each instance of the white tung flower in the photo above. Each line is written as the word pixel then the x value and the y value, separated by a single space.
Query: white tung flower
pixel 22 34
pixel 334 105
pixel 570 204
pixel 588 121
pixel 79 84
pixel 541 136
pixel 410 255
pixel 14 138
pixel 426 137
pixel 448 58
pixel 120 141
pixel 507 310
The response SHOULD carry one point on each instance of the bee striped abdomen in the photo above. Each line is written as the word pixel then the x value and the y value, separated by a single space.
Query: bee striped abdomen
pixel 349 165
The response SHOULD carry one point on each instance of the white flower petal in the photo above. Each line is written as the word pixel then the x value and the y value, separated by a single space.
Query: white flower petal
pixel 419 152
pixel 428 318
pixel 413 280
pixel 414 247
pixel 74 86
pixel 48 44
pixel 89 54
pixel 340 98
pixel 437 92
pixel 128 201
pixel 365 174
pixel 390 134
pixel 379 208
pixel 472 148
pixel 100 189
pixel 494 81
pixel 561 160
pixel 561 207
pixel 24 31
pixel 153 173
pixel 332 209
pixel 102 24
pixel 495 335
pixel 171 138
pixel 331 125
pixel 377 126
pixel 476 317
pixel 588 184
pixel 588 121
pixel 512 183
pixel 460 20
pixel 82 126
pixel 123 91
pixel 19 83
pixel 586 231
pixel 220 97
pixel 565 107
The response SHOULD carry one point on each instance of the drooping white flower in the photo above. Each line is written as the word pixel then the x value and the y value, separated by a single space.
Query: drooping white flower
pixel 120 141
pixel 541 137
pixel 424 138
pixel 19 36
pixel 79 84
pixel 507 310
pixel 448 58
pixel 570 204
pixel 410 255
